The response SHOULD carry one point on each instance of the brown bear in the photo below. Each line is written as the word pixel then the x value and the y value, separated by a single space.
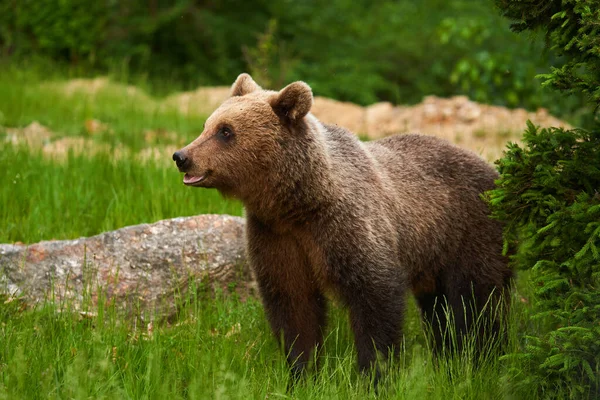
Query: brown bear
pixel 365 222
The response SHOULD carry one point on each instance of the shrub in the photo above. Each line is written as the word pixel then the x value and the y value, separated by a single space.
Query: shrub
pixel 548 195
pixel 572 29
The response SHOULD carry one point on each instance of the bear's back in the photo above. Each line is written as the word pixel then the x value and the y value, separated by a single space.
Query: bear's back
pixel 439 186
pixel 409 161
pixel 428 157
pixel 425 186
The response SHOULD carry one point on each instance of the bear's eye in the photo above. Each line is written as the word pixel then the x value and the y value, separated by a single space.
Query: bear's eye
pixel 225 133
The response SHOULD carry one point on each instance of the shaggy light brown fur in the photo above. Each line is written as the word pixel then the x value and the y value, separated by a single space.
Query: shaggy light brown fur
pixel 366 222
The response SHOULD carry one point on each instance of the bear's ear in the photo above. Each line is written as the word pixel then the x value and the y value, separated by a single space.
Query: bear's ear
pixel 244 84
pixel 293 101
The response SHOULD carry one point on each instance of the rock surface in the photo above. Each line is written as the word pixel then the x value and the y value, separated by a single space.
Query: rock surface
pixel 140 268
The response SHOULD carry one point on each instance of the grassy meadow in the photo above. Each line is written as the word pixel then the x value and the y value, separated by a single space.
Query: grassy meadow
pixel 219 345
pixel 61 191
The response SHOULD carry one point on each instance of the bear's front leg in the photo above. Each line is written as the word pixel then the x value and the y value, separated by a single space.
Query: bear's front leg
pixel 294 304
pixel 297 319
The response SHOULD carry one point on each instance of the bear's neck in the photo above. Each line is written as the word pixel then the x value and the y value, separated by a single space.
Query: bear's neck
pixel 301 186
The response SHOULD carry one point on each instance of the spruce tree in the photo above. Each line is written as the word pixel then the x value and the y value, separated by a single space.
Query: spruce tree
pixel 548 195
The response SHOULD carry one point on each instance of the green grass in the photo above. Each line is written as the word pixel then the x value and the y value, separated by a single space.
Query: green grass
pixel 88 194
pixel 41 199
pixel 25 96
pixel 218 347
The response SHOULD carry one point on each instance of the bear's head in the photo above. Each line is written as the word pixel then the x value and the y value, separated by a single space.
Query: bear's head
pixel 245 139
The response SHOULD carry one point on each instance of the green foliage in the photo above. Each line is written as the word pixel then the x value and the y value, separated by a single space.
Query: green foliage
pixel 572 28
pixel 71 29
pixel 360 51
pixel 548 194
pixel 269 61
pixel 486 70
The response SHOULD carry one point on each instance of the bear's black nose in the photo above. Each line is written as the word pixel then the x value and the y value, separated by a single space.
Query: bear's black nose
pixel 179 159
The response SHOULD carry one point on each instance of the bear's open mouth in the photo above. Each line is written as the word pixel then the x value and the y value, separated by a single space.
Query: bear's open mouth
pixel 191 180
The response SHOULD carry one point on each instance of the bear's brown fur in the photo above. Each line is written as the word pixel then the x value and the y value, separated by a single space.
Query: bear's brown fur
pixel 365 222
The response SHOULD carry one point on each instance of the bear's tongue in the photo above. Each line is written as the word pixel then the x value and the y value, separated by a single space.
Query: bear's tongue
pixel 189 179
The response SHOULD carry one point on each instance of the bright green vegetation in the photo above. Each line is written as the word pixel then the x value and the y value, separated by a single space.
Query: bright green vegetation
pixel 548 197
pixel 217 347
pixel 83 196
pixel 548 192
pixel 86 194
pixel 26 95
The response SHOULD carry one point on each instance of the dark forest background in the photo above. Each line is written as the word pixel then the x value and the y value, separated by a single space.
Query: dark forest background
pixel 354 50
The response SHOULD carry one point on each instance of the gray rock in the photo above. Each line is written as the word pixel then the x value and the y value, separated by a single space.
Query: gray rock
pixel 142 268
